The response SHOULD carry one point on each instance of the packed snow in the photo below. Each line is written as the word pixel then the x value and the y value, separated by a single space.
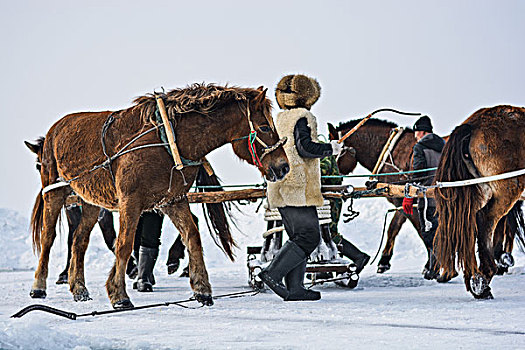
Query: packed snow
pixel 398 309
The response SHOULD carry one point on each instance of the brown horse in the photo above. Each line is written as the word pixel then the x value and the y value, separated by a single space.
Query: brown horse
pixel 101 157
pixel 489 142
pixel 368 141
pixel 216 212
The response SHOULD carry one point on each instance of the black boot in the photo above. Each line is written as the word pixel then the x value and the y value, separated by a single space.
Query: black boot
pixel 295 283
pixel 359 258
pixel 288 257
pixel 147 259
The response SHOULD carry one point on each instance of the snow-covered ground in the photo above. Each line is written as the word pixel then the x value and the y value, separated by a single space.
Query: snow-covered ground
pixel 398 309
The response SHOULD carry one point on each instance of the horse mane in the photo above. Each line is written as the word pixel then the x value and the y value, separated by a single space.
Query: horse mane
pixel 371 122
pixel 198 98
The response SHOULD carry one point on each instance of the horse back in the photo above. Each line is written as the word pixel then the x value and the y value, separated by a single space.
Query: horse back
pixel 497 139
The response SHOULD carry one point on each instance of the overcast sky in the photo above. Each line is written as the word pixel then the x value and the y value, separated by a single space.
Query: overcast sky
pixel 443 58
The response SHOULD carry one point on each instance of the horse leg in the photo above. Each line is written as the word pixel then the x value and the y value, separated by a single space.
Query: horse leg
pixel 180 215
pixel 116 282
pixel 77 284
pixel 393 230
pixel 499 235
pixel 53 203
pixel 73 215
pixel 506 257
pixel 487 221
pixel 105 222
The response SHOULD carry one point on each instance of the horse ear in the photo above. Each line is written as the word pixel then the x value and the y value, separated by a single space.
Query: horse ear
pixel 260 97
pixel 260 88
pixel 332 131
pixel 34 148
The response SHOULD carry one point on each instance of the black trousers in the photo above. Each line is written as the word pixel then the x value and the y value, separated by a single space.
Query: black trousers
pixel 302 226
pixel 428 236
pixel 149 230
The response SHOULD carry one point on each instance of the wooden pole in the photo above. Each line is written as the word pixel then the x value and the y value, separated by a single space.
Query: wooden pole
pixel 169 133
pixel 354 129
pixel 252 194
pixel 207 166
pixel 224 196
pixel 385 148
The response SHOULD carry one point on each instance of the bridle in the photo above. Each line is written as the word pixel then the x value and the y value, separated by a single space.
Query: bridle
pixel 252 138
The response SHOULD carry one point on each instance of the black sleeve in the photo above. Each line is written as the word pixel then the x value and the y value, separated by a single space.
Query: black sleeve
pixel 419 161
pixel 305 146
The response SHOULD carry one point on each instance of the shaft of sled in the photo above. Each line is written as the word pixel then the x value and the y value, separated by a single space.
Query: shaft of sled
pixel 354 129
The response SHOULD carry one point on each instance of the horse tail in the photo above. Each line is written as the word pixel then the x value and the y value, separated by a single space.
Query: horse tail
pixel 37 220
pixel 216 214
pixel 516 222
pixel 37 215
pixel 457 206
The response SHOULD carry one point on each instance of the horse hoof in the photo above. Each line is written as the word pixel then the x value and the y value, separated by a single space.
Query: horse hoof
pixel 185 272
pixel 62 279
pixel 383 268
pixel 123 304
pixel 480 288
pixel 37 294
pixel 485 295
pixel 205 300
pixel 444 278
pixel 502 270
pixel 173 267
pixel 506 260
pixel 84 296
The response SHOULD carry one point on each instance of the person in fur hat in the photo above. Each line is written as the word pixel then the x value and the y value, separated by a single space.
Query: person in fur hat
pixel 299 193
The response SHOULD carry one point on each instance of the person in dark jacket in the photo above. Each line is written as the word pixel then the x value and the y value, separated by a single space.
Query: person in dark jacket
pixel 427 152
pixel 299 193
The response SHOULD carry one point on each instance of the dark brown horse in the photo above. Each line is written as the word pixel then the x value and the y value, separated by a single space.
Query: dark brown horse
pixel 368 141
pixel 489 142
pixel 141 176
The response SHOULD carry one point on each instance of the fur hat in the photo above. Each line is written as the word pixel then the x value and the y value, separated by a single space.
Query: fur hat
pixel 423 124
pixel 297 90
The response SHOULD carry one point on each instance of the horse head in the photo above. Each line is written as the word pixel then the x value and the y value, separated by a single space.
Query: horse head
pixel 258 141
pixel 346 161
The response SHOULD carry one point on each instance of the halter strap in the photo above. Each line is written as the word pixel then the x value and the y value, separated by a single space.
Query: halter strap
pixel 252 137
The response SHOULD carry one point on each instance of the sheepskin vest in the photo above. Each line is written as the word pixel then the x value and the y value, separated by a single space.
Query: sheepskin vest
pixel 302 185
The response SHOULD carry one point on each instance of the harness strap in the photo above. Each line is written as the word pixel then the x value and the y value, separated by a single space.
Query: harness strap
pixel 395 134
pixel 479 180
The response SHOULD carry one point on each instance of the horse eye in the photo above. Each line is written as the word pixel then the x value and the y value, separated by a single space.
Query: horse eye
pixel 265 128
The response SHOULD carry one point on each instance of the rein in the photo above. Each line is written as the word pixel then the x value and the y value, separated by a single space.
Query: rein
pixel 74 316
pixel 354 129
